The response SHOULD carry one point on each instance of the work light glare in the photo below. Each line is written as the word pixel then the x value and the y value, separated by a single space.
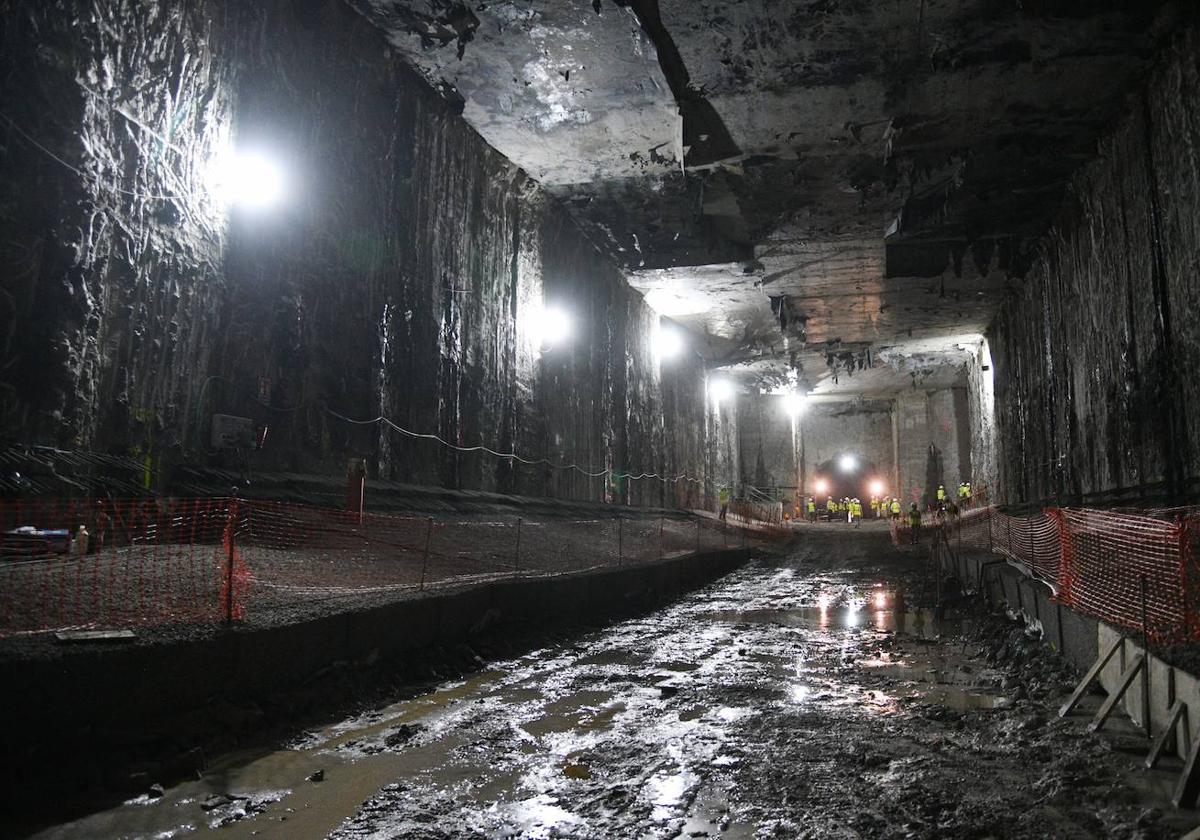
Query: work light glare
pixel 720 389
pixel 555 326
pixel 668 342
pixel 248 179
pixel 794 404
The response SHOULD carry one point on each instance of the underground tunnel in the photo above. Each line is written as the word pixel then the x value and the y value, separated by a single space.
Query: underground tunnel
pixel 599 418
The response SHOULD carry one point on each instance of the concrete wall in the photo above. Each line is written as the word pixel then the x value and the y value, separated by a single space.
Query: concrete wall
pixel 401 275
pixel 1096 352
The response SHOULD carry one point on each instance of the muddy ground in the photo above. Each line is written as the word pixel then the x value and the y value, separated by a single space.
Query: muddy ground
pixel 811 695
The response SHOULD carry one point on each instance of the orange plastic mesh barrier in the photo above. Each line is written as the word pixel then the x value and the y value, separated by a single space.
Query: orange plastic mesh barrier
pixel 1113 565
pixel 1110 558
pixel 171 562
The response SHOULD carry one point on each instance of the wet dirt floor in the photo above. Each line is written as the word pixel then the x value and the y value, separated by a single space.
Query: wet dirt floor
pixel 796 697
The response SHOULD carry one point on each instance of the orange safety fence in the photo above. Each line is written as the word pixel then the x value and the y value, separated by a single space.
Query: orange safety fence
pixel 1122 567
pixel 88 564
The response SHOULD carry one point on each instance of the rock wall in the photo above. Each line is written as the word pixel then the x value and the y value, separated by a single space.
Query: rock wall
pixel 933 443
pixel 1096 354
pixel 983 433
pixel 769 440
pixel 401 275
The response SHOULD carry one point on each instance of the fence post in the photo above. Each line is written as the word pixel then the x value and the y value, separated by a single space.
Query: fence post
pixel 517 559
pixel 425 558
pixel 231 531
pixel 1146 667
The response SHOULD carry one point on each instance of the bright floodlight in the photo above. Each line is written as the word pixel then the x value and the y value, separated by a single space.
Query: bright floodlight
pixel 822 485
pixel 720 389
pixel 555 326
pixel 668 342
pixel 848 463
pixel 877 488
pixel 794 404
pixel 248 179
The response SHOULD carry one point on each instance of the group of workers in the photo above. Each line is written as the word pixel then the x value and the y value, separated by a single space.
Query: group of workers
pixel 851 508
pixel 964 494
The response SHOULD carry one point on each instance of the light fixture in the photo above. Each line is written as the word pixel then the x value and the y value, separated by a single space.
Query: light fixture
pixel 668 341
pixel 794 403
pixel 246 178
pixel 848 463
pixel 720 389
pixel 553 327
pixel 877 488
pixel 822 486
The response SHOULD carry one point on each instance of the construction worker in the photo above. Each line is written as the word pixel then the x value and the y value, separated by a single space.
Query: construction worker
pixel 723 498
pixel 875 507
pixel 812 509
pixel 831 508
pixel 914 524
pixel 858 512
pixel 941 494
pixel 895 508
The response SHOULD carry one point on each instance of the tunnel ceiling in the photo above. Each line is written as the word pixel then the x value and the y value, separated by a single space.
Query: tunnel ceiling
pixel 834 192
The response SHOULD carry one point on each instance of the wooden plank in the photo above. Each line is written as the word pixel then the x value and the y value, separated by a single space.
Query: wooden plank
pixel 1188 785
pixel 1090 677
pixel 1110 703
pixel 1177 711
pixel 94 635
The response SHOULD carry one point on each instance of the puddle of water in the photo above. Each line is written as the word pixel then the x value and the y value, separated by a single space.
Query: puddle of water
pixel 276 783
pixel 709 817
pixel 574 711
pixel 961 699
pixel 918 623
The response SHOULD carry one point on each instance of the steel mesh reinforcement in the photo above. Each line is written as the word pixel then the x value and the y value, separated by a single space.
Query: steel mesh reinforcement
pixel 75 564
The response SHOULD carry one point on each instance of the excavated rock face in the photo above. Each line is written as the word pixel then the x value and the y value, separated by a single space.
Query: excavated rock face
pixel 810 186
pixel 400 275
pixel 1096 356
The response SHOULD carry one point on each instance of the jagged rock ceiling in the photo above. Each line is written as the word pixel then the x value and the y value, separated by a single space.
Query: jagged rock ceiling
pixel 835 192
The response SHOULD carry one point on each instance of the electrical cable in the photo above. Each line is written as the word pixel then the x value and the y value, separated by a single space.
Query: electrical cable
pixel 75 169
pixel 513 456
